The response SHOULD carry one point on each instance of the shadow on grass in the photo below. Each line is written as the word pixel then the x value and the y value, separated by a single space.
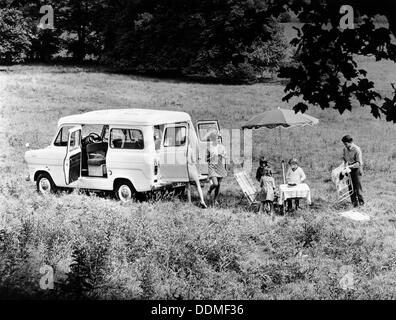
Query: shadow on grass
pixel 70 66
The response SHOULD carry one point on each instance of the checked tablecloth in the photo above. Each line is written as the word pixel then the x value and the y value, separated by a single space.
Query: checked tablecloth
pixel 299 191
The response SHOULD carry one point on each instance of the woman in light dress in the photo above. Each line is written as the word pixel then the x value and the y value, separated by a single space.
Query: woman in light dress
pixel 216 158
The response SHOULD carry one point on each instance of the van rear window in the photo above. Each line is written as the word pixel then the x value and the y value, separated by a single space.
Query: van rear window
pixel 126 139
pixel 175 136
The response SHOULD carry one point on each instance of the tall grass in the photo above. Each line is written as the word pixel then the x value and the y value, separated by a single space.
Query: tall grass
pixel 101 249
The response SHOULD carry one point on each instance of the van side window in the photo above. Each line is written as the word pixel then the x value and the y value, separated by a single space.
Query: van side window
pixel 61 138
pixel 175 136
pixel 158 132
pixel 126 139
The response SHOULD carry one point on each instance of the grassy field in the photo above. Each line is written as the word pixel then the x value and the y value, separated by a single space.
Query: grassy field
pixel 100 248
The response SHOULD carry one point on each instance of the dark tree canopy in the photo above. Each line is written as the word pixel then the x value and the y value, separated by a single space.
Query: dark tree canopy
pixel 324 72
pixel 228 39
pixel 15 36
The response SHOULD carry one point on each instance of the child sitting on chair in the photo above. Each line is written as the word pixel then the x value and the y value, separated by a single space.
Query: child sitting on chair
pixel 295 175
pixel 267 193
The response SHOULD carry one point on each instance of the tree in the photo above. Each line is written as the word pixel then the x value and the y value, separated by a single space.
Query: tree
pixel 46 43
pixel 226 39
pixel 84 22
pixel 15 36
pixel 324 72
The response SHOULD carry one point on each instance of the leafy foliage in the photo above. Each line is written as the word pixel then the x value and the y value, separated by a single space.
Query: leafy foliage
pixel 45 45
pixel 83 23
pixel 224 39
pixel 15 36
pixel 324 72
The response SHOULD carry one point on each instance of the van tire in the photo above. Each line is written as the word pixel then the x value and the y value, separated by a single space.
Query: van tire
pixel 45 184
pixel 124 191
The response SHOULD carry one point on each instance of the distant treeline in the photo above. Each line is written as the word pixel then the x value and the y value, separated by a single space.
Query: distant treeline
pixel 223 39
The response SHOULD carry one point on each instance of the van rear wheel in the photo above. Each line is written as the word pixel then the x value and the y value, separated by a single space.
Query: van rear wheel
pixel 124 191
pixel 45 184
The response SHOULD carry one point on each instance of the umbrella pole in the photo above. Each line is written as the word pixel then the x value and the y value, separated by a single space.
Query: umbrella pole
pixel 280 142
pixel 282 161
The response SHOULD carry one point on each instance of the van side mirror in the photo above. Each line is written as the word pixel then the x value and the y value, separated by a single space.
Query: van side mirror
pixel 27 145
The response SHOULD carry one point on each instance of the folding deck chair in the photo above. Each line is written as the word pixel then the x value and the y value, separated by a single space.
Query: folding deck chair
pixel 343 184
pixel 248 188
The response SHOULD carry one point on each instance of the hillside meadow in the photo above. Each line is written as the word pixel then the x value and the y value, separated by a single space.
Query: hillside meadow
pixel 102 249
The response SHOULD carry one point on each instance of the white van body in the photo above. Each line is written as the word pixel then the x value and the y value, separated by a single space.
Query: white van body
pixel 136 147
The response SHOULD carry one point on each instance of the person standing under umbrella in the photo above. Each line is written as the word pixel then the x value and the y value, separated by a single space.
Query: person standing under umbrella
pixel 352 156
pixel 216 157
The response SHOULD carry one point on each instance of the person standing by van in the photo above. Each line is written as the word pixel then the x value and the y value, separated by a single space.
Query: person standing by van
pixel 216 157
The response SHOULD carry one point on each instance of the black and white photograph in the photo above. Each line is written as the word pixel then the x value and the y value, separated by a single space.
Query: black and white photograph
pixel 197 150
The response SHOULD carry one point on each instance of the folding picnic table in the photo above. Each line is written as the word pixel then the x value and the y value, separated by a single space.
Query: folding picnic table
pixel 301 190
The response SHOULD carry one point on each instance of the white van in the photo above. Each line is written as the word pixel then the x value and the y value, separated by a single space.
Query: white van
pixel 124 150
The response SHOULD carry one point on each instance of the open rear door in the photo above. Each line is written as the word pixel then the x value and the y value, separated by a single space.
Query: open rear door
pixel 204 128
pixel 173 153
pixel 72 163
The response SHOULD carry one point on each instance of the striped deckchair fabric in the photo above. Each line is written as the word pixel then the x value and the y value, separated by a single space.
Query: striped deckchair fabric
pixel 246 183
pixel 344 186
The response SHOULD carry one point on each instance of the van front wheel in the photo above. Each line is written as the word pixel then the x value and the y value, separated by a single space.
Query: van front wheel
pixel 45 184
pixel 124 191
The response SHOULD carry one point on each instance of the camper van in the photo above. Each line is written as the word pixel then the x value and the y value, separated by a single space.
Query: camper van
pixel 127 151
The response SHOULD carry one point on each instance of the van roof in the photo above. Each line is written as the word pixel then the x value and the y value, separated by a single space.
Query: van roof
pixel 141 117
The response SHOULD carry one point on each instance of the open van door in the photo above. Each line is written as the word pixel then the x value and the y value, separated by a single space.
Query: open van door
pixel 173 153
pixel 72 163
pixel 204 128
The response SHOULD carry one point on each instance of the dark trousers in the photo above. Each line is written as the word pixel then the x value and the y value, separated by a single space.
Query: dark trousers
pixel 357 194
pixel 290 203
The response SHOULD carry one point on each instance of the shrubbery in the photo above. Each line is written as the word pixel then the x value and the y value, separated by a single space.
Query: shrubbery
pixel 15 36
pixel 101 249
pixel 228 40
